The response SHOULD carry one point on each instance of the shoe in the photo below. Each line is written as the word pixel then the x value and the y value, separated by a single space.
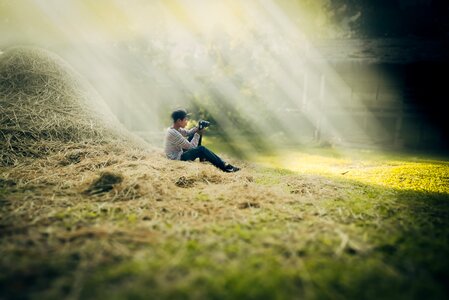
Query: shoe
pixel 231 169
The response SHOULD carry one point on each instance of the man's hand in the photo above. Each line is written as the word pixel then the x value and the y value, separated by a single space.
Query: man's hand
pixel 200 131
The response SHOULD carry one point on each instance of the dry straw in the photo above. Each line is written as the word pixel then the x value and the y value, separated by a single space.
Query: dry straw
pixel 44 103
pixel 56 132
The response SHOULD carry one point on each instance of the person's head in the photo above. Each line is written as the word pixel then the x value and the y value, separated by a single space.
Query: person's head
pixel 180 118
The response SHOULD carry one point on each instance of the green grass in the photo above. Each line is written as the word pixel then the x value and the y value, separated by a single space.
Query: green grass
pixel 371 226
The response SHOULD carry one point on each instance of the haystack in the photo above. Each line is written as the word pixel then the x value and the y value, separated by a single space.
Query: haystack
pixel 44 104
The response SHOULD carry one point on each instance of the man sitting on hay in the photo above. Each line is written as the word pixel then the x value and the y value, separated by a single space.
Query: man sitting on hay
pixel 185 145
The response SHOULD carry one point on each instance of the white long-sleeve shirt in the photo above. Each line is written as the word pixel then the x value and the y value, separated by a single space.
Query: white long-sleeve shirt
pixel 175 141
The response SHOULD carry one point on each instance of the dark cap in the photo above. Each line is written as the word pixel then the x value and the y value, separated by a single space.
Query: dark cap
pixel 179 114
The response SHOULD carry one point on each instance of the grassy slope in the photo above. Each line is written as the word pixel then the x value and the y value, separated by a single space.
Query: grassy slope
pixel 373 227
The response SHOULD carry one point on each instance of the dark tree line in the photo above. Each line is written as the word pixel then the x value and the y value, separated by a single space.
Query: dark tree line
pixel 393 18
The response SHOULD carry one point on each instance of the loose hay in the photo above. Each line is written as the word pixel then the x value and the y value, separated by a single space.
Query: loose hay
pixel 73 157
pixel 244 205
pixel 104 183
pixel 6 183
pixel 44 103
pixel 185 182
pixel 250 219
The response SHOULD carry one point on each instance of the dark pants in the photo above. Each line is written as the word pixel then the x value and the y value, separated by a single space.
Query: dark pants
pixel 202 152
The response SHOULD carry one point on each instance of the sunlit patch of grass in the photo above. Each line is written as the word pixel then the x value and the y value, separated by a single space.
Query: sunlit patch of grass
pixel 408 176
pixel 418 175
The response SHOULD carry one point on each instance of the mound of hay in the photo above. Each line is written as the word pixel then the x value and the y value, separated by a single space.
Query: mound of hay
pixel 45 103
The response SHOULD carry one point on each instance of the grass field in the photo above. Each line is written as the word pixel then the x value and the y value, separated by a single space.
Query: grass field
pixel 96 222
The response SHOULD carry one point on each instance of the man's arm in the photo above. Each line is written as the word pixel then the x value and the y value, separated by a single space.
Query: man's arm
pixel 186 132
pixel 175 138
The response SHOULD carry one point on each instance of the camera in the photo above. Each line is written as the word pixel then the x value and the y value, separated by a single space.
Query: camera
pixel 203 124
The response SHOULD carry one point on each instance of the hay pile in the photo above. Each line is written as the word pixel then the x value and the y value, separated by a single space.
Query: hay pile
pixel 44 103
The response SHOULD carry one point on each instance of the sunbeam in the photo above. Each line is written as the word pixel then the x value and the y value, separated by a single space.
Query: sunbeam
pixel 250 66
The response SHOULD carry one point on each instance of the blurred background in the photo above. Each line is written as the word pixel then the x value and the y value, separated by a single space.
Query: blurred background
pixel 267 73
